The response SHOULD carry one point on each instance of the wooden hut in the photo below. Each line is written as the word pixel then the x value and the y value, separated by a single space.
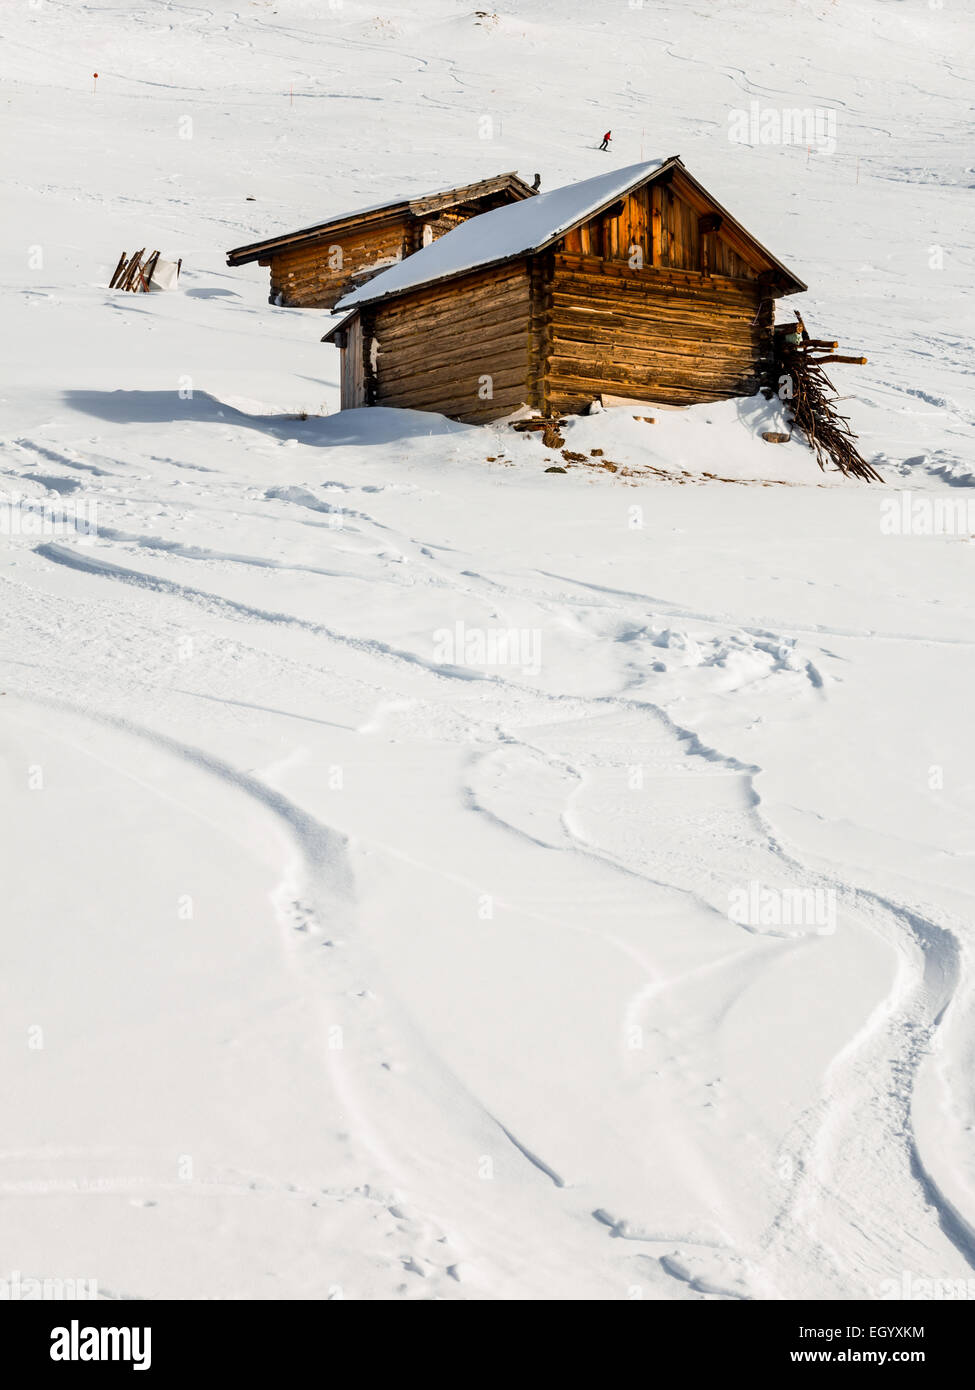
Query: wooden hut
pixel 312 268
pixel 635 283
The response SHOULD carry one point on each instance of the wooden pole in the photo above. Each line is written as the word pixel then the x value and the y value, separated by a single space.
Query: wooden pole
pixel 128 279
pixel 853 361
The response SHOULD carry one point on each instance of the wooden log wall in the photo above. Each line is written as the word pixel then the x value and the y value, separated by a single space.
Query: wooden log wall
pixel 435 347
pixel 305 279
pixel 672 336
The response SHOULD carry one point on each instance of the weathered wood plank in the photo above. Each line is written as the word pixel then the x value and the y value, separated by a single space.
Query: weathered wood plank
pixel 572 241
pixel 704 293
pixel 352 380
pixel 709 356
pixel 616 322
pixel 459 288
pixel 574 398
pixel 478 309
pixel 452 332
pixel 720 375
pixel 443 381
pixel 652 310
pixel 489 357
pixel 627 318
pixel 656 226
pixel 662 386
pixel 451 397
pixel 595 272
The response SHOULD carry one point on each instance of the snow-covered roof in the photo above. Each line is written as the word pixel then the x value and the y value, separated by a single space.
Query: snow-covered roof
pixel 421 205
pixel 503 233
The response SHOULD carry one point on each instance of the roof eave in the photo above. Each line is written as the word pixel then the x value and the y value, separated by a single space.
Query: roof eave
pixel 336 327
pixel 471 192
pixel 798 286
pixel 319 231
pixel 308 236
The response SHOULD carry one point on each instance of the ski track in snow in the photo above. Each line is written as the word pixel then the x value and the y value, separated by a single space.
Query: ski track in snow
pixel 887 1051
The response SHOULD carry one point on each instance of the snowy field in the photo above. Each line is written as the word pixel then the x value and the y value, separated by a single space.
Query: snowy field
pixel 348 953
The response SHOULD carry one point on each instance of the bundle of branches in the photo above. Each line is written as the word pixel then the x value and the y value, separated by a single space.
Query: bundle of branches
pixel 827 432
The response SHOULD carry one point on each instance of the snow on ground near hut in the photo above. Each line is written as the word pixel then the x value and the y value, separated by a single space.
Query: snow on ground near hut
pixel 404 844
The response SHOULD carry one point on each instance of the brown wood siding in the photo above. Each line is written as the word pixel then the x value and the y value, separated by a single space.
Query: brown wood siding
pixel 352 381
pixel 305 279
pixel 540 273
pixel 666 227
pixel 673 336
pixel 435 346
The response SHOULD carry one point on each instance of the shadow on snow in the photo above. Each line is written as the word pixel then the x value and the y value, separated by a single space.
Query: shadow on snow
pixel 377 425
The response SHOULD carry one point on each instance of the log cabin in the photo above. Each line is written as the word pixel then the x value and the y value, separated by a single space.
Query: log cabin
pixel 314 267
pixel 636 284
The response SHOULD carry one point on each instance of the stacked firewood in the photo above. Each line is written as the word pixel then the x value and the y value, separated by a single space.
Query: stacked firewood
pixel 809 396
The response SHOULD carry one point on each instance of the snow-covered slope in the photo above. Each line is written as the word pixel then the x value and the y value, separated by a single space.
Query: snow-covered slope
pixel 404 844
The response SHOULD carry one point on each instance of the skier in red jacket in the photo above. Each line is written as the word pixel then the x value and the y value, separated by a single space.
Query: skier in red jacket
pixel 606 139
